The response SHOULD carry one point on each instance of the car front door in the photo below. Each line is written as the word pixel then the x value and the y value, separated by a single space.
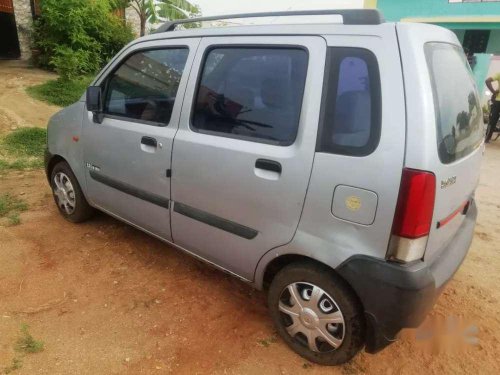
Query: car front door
pixel 128 154
pixel 244 149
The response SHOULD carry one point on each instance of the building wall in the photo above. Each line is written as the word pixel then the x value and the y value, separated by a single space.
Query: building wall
pixel 394 10
pixel 24 23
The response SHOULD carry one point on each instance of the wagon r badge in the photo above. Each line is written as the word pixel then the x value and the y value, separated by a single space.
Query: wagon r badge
pixel 92 167
pixel 450 181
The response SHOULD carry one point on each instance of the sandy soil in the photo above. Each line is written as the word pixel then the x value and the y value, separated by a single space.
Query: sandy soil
pixel 107 299
pixel 17 109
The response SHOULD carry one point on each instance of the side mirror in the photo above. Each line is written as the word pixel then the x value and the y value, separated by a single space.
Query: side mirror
pixel 94 102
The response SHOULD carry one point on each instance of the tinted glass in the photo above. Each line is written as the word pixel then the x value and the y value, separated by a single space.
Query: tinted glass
pixel 145 85
pixel 458 114
pixel 351 107
pixel 251 93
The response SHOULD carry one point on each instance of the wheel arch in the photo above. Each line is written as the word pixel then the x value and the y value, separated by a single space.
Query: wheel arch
pixel 51 162
pixel 265 277
pixel 277 264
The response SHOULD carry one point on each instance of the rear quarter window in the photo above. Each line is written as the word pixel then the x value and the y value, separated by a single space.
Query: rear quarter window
pixel 351 107
pixel 458 113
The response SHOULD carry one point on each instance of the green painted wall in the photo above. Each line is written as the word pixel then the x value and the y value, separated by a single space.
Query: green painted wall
pixel 494 43
pixel 394 10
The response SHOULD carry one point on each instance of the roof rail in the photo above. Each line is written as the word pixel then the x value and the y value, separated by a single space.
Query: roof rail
pixel 350 17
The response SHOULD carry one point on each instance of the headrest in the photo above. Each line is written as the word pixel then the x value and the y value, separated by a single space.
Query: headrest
pixel 239 95
pixel 353 112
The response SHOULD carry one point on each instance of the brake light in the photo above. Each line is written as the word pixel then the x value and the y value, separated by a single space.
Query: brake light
pixel 413 218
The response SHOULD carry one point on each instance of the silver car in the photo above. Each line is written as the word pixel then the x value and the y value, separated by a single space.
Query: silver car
pixel 331 164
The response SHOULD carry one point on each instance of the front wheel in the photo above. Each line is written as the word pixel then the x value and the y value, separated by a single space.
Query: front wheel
pixel 68 194
pixel 317 313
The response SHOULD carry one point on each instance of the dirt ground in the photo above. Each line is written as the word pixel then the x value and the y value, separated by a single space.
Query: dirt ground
pixel 107 299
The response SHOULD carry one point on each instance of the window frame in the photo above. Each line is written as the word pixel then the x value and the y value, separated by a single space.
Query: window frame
pixel 334 58
pixel 104 84
pixel 201 68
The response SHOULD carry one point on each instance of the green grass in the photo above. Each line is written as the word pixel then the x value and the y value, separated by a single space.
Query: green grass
pixel 9 204
pixel 26 343
pixel 10 208
pixel 21 164
pixel 14 219
pixel 23 149
pixel 26 142
pixel 268 341
pixel 15 365
pixel 60 92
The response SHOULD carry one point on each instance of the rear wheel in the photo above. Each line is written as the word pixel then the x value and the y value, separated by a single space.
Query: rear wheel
pixel 68 195
pixel 317 314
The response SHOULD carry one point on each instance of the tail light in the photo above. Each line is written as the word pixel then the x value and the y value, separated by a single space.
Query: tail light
pixel 413 218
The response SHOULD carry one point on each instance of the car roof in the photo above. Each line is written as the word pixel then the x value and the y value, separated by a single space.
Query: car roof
pixel 275 29
pixel 348 20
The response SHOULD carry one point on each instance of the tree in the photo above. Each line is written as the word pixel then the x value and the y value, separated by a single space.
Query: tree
pixel 77 37
pixel 154 11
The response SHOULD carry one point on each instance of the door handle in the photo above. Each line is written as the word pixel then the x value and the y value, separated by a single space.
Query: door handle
pixel 149 141
pixel 268 165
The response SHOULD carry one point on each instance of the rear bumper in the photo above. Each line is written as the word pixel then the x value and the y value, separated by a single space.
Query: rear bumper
pixel 397 296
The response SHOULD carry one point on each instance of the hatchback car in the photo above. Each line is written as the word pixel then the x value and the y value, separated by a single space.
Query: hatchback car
pixel 332 164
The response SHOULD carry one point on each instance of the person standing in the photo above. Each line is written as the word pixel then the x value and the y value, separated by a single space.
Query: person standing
pixel 495 105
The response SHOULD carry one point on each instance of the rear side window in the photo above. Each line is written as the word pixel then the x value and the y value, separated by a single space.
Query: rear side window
pixel 145 85
pixel 351 108
pixel 251 93
pixel 458 114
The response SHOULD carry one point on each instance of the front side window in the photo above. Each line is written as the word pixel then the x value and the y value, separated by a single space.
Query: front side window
pixel 144 87
pixel 351 108
pixel 458 113
pixel 251 93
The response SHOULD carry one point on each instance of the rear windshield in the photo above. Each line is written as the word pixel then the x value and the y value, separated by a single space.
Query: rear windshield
pixel 458 113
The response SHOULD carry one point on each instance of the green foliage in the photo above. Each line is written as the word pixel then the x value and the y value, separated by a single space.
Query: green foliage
pixel 11 206
pixel 174 9
pixel 60 92
pixel 23 149
pixel 26 343
pixel 154 11
pixel 77 37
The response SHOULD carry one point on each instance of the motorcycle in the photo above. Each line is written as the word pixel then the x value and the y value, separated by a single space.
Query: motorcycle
pixel 497 127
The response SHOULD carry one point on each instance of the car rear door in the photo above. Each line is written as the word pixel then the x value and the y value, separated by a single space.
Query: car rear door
pixel 128 154
pixel 445 129
pixel 244 149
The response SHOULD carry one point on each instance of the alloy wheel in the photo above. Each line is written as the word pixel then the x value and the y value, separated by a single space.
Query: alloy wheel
pixel 64 193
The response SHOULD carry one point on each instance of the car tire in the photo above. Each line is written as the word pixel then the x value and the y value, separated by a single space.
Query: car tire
pixel 328 295
pixel 68 194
